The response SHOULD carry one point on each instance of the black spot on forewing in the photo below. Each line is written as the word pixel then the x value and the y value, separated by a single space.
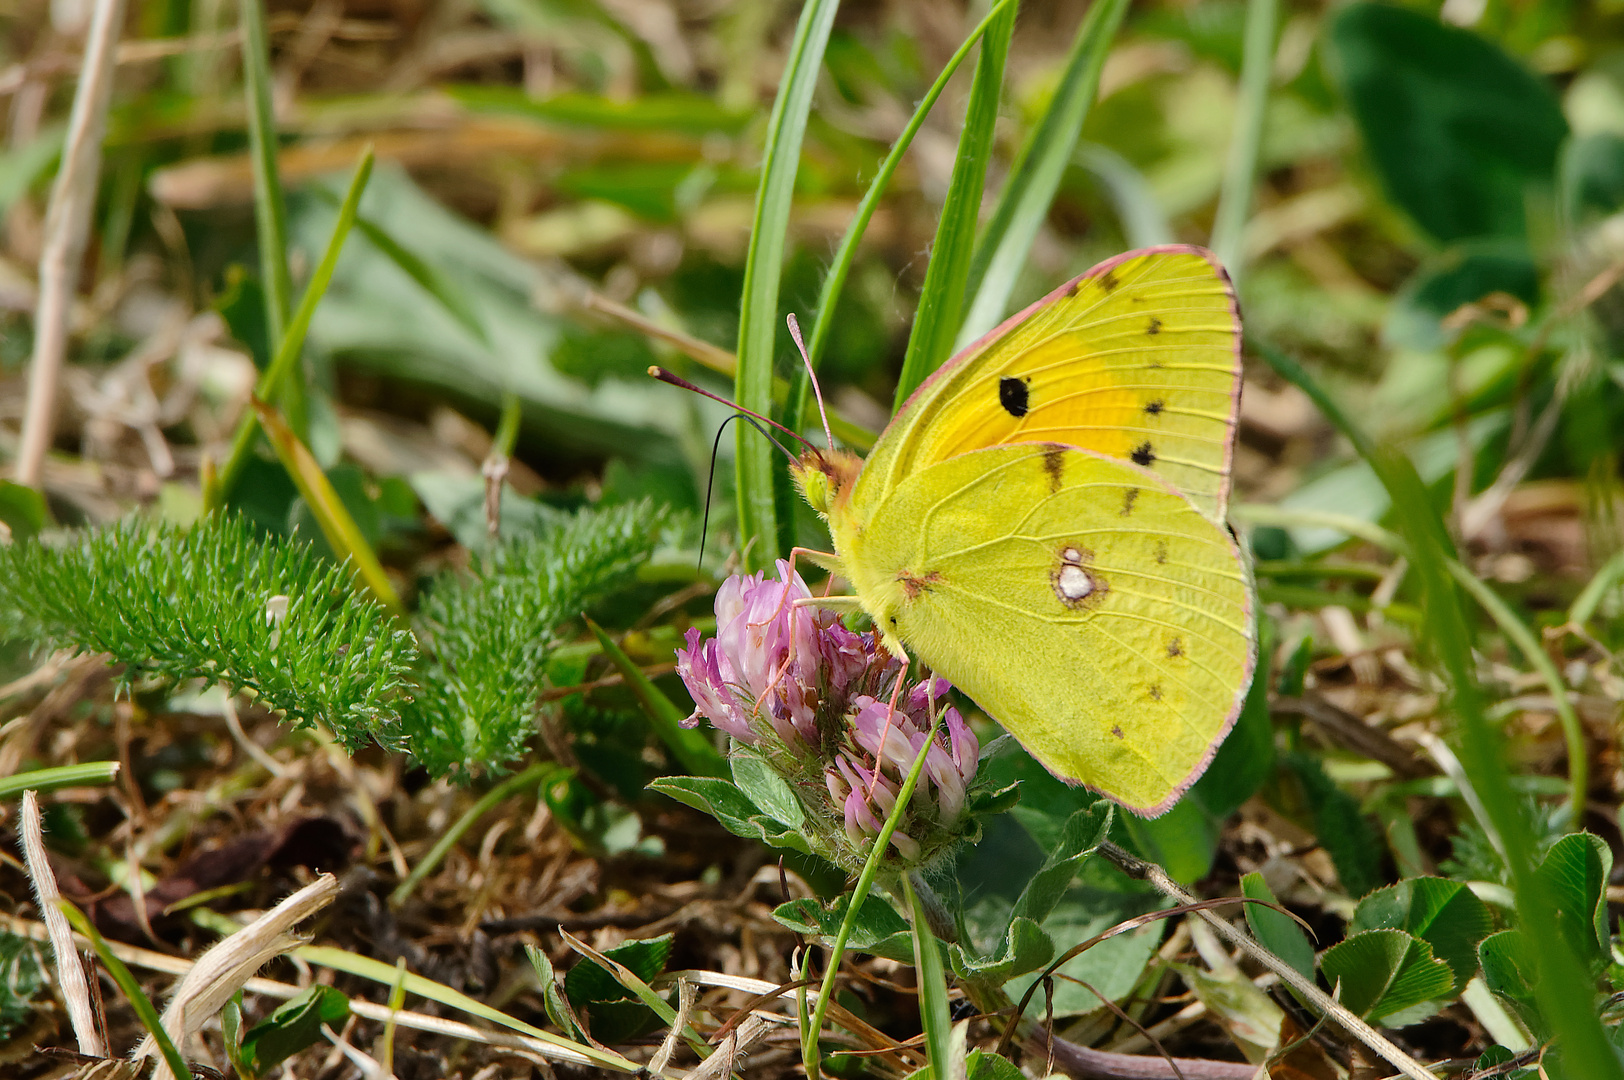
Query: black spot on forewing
pixel 1013 395
pixel 1155 326
pixel 1116 729
pixel 1109 282
pixel 1161 553
pixel 1143 454
pixel 1175 648
pixel 1127 500
pixel 1155 691
pixel 1155 407
pixel 1054 463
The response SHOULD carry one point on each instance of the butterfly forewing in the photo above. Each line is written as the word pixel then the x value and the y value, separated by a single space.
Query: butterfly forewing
pixel 1139 359
pixel 1085 605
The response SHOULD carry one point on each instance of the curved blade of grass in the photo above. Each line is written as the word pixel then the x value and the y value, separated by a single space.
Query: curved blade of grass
pixel 1240 170
pixel 628 978
pixel 941 299
pixel 145 1011
pixel 287 353
pixel 531 777
pixel 426 274
pixel 1510 624
pixel 1564 989
pixel 1515 629
pixel 1023 204
pixel 1288 369
pixel 81 775
pixel 270 210
pixel 1143 221
pixel 758 467
pixel 934 1012
pixel 386 975
pixel 1586 603
pixel 337 525
pixel 865 880
pixel 688 745
pixel 834 282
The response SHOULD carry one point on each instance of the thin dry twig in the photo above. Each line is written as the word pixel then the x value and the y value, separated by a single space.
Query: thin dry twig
pixel 67 227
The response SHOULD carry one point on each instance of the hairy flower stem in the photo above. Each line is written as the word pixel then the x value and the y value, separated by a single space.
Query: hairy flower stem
pixel 809 1045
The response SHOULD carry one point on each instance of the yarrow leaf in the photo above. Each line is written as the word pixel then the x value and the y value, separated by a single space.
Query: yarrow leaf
pixel 488 634
pixel 218 603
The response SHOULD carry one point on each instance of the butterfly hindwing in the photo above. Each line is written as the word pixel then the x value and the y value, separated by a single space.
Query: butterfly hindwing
pixel 1092 610
pixel 1138 359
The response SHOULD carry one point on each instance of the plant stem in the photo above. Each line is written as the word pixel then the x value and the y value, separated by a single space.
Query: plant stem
pixel 67 228
pixel 534 775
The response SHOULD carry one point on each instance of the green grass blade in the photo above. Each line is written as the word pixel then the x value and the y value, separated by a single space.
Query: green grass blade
pixel 941 301
pixel 337 524
pixel 145 1010
pixel 270 210
pixel 1565 991
pixel 82 775
pixel 689 746
pixel 1139 213
pixel 934 1012
pixel 1240 170
pixel 835 281
pixel 387 975
pixel 1023 204
pixel 287 353
pixel 758 466
pixel 531 777
pixel 1530 647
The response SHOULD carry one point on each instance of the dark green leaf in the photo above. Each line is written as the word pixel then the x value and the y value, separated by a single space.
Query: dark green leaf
pixel 1445 914
pixel 763 785
pixel 1026 948
pixel 295 1025
pixel 878 929
pixel 1084 832
pixel 1509 969
pixel 22 510
pixel 613 1011
pixel 1457 129
pixel 732 809
pixel 1389 977
pixel 1278 933
pixel 1353 844
pixel 1577 869
pixel 552 992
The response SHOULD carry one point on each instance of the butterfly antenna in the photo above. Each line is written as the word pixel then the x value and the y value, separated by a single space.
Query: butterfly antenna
pixel 710 481
pixel 674 379
pixel 817 391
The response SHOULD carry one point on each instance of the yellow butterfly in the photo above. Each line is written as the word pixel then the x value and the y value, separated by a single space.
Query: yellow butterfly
pixel 1041 524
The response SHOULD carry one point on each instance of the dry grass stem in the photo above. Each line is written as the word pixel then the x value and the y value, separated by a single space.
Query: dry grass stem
pixel 222 971
pixel 70 972
pixel 67 227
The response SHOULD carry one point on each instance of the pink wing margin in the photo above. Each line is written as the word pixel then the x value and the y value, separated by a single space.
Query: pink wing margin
pixel 991 336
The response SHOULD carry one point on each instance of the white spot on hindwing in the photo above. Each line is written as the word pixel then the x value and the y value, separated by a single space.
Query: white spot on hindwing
pixel 1074 584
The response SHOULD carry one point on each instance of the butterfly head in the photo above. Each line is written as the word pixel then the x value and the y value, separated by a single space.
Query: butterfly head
pixel 825 477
